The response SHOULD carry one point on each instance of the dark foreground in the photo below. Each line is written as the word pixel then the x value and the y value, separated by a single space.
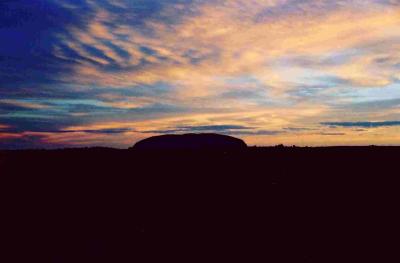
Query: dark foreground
pixel 91 205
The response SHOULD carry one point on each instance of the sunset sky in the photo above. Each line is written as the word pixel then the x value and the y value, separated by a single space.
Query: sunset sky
pixel 77 73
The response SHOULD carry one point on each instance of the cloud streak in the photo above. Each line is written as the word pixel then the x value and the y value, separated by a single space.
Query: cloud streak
pixel 224 129
pixel 363 124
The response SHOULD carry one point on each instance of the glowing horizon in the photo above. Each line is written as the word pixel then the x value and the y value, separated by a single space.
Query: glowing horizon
pixel 108 73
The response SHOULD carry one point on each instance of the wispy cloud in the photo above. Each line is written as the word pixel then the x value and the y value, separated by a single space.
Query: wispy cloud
pixel 224 129
pixel 4 127
pixel 333 133
pixel 363 124
pixel 105 70
pixel 219 39
pixel 22 104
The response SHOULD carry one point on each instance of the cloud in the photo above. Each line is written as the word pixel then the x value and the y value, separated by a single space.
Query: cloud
pixel 225 40
pixel 103 70
pixel 215 128
pixel 375 105
pixel 119 138
pixel 98 131
pixel 363 124
pixel 4 127
pixel 332 133
pixel 224 129
pixel 21 104
pixel 18 141
pixel 29 31
pixel 204 128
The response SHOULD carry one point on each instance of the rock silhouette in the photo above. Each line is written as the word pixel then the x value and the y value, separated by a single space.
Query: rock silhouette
pixel 191 142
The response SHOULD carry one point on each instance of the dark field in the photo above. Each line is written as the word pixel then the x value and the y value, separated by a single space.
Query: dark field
pixel 92 205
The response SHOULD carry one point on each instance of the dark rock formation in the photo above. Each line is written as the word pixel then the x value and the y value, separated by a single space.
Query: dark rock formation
pixel 191 142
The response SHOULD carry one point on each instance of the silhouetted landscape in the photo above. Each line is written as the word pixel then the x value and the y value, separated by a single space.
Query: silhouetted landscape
pixel 123 116
pixel 92 204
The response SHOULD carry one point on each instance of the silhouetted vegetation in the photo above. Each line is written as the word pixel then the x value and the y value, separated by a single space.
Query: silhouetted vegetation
pixel 91 205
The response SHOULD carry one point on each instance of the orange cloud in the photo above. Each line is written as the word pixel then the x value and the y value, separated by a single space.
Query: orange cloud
pixel 24 104
pixel 227 41
pixel 8 135
pixel 219 43
pixel 3 127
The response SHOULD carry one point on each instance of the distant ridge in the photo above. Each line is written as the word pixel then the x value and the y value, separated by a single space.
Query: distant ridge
pixel 204 141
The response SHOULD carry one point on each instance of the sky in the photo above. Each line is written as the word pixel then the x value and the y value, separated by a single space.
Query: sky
pixel 78 73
